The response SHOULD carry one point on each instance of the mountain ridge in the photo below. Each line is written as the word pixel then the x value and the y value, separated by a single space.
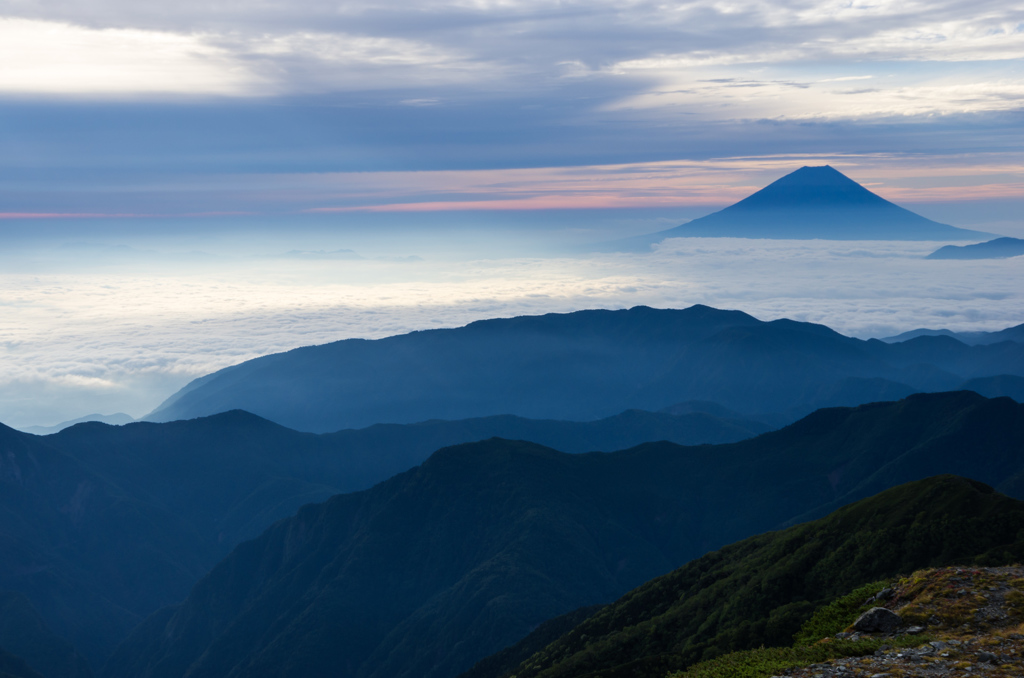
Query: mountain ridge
pixel 1000 248
pixel 758 592
pixel 1015 333
pixel 440 566
pixel 102 525
pixel 593 363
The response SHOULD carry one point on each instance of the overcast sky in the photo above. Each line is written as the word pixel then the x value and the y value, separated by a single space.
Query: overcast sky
pixel 178 180
pixel 186 108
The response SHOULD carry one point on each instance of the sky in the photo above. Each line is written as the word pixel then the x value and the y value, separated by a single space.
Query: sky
pixel 187 185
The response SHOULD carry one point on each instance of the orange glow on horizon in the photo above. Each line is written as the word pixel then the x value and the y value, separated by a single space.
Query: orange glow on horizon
pixel 712 183
pixel 544 202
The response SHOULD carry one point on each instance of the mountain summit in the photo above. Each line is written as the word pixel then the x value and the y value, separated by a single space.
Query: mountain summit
pixel 813 203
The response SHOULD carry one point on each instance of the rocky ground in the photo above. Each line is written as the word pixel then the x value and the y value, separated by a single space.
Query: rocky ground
pixel 970 622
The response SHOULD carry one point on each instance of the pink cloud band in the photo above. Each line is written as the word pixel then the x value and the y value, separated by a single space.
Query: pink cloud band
pixel 98 215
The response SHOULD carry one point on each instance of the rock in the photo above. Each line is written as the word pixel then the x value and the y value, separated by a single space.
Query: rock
pixel 914 630
pixel 884 594
pixel 878 620
pixel 987 658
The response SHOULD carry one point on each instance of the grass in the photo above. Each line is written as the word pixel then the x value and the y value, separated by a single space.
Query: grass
pixel 837 615
pixel 769 661
pixel 949 600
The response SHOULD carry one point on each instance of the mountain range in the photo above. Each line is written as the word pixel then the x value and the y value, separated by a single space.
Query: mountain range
pixel 1015 333
pixel 810 203
pixel 116 419
pixel 1000 248
pixel 442 565
pixel 587 365
pixel 102 525
pixel 758 592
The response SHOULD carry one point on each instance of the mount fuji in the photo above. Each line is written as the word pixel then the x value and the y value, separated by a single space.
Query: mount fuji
pixel 812 203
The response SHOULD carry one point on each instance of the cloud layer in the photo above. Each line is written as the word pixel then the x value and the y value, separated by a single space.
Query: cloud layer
pixel 77 342
pixel 704 185
pixel 783 59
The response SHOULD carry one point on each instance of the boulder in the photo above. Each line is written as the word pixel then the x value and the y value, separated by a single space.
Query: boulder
pixel 878 620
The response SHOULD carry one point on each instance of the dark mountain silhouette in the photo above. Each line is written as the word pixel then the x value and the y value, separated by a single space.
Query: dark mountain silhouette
pixel 810 203
pixel 12 666
pixel 92 553
pixel 24 633
pixel 504 662
pixel 586 365
pixel 440 566
pixel 114 419
pixel 1000 385
pixel 1000 248
pixel 102 525
pixel 759 591
pixel 1015 333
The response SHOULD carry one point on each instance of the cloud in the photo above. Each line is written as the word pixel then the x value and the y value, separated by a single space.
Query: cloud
pixel 50 57
pixel 905 178
pixel 696 55
pixel 790 92
pixel 76 341
pixel 46 57
pixel 714 182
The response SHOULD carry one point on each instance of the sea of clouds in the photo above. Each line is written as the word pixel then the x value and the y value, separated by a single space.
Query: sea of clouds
pixel 80 339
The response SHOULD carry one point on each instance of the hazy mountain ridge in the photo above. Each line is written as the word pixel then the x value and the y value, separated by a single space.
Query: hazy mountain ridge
pixel 102 525
pixel 995 387
pixel 1015 333
pixel 25 634
pixel 587 365
pixel 1000 248
pixel 66 534
pixel 117 419
pixel 432 570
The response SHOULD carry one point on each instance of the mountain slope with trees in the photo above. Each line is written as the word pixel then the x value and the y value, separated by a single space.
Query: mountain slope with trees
pixel 760 591
pixel 102 525
pixel 442 565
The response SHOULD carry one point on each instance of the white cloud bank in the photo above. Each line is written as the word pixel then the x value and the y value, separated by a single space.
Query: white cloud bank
pixel 785 59
pixel 56 58
pixel 46 57
pixel 76 343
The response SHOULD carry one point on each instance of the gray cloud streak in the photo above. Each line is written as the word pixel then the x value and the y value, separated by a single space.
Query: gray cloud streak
pixel 518 47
